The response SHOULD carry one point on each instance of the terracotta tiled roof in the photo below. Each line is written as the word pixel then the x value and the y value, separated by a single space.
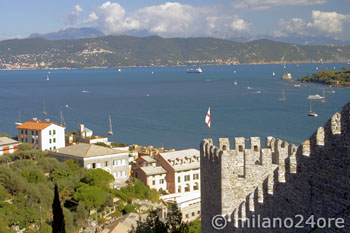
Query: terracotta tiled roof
pixel 37 125
pixel 34 125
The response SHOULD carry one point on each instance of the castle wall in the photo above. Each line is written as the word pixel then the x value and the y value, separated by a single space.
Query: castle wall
pixel 279 181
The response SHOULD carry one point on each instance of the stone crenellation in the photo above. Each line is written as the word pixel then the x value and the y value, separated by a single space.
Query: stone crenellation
pixel 278 180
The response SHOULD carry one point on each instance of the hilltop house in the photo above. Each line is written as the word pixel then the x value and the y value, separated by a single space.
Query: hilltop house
pixel 43 135
pixel 92 156
pixel 85 135
pixel 8 145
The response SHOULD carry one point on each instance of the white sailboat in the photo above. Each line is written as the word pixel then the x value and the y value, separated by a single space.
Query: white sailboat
pixel 311 113
pixel 273 74
pixel 235 83
pixel 62 119
pixel 283 96
pixel 110 132
pixel 19 119
pixel 44 111
pixel 323 100
pixel 47 77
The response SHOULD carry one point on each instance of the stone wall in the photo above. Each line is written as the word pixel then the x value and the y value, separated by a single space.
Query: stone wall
pixel 281 180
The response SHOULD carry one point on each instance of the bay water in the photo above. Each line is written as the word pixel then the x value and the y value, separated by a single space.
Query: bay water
pixel 165 106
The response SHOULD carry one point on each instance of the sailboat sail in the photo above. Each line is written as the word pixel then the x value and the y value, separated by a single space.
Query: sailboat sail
pixel 62 119
pixel 44 111
pixel 324 97
pixel 283 96
pixel 311 113
pixel 19 119
pixel 110 132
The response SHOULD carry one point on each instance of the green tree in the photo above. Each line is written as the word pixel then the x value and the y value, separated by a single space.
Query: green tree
pixel 195 226
pixel 90 196
pixel 5 135
pixel 153 224
pixel 98 177
pixel 25 146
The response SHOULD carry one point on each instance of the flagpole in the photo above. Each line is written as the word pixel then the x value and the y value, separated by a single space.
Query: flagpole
pixel 209 133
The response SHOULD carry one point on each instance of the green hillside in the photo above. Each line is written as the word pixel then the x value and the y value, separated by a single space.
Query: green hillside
pixel 116 51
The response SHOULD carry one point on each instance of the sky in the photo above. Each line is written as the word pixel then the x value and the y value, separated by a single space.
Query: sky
pixel 182 18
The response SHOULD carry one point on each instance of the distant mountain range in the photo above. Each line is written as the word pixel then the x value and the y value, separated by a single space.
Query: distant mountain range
pixel 117 51
pixel 90 32
pixel 70 34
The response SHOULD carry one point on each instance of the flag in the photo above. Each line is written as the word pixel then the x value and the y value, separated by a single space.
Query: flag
pixel 207 118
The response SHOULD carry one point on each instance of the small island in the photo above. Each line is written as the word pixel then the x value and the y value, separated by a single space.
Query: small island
pixel 328 77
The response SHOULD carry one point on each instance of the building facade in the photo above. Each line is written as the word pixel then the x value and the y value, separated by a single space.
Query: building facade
pixel 183 168
pixel 43 135
pixel 92 156
pixel 8 146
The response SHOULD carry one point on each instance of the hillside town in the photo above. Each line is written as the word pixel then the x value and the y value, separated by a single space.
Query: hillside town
pixel 173 174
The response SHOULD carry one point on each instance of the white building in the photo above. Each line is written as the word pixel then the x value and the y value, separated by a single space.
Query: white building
pixel 44 135
pixel 8 146
pixel 183 181
pixel 183 168
pixel 92 156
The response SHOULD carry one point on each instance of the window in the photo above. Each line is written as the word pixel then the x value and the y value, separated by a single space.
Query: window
pixel 26 139
pixel 37 141
pixel 50 148
pixel 54 131
pixel 179 189
pixel 179 179
pixel 198 212
pixel 240 148
pixel 32 132
pixel 32 140
pixel 22 139
pixel 94 165
pixel 54 140
pixel 36 132
pixel 21 131
pixel 153 182
pixel 161 181
pixel 123 173
pixel 187 216
pixel 187 178
pixel 256 148
pixel 49 132
pixel 119 174
pixel 196 176
pixel 50 140
pixel 193 214
pixel 26 132
pixel 114 162
pixel 106 163
pixel 118 162
pixel 54 148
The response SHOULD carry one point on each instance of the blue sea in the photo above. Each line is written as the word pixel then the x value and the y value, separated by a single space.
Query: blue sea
pixel 165 106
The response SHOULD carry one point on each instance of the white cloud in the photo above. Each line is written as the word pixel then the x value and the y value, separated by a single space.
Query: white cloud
pixel 322 23
pixel 266 4
pixel 329 22
pixel 239 24
pixel 73 16
pixel 170 19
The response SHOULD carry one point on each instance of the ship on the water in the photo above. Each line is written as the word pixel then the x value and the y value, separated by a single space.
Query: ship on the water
pixel 197 70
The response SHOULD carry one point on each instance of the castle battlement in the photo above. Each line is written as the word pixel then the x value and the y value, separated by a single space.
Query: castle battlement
pixel 237 178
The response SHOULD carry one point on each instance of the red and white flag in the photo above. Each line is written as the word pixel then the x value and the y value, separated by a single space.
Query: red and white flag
pixel 207 118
